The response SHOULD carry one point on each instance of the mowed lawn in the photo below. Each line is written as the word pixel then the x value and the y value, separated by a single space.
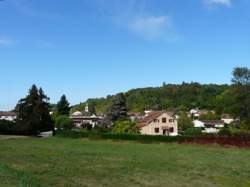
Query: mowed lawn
pixel 82 162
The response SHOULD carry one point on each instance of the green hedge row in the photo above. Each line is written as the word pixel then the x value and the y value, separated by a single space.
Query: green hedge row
pixel 112 136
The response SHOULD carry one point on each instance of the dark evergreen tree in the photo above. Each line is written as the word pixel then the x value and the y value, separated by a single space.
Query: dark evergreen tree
pixel 62 106
pixel 117 109
pixel 33 113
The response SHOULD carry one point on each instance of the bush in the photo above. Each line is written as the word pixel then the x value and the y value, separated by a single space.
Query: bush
pixel 7 127
pixel 113 136
pixel 125 126
pixel 232 131
pixel 63 122
pixel 225 132
pixel 193 132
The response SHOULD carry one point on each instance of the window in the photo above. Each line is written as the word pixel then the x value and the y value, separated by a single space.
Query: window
pixel 156 120
pixel 171 120
pixel 171 129
pixel 157 130
pixel 164 120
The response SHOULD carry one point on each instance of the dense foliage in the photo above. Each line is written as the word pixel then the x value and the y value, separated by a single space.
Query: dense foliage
pixel 125 126
pixel 62 106
pixel 117 109
pixel 33 113
pixel 184 122
pixel 171 96
pixel 63 122
pixel 7 127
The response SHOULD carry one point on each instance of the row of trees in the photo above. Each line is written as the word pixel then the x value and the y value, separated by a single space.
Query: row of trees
pixel 33 111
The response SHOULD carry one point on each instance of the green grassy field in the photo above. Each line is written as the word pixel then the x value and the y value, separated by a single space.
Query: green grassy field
pixel 81 162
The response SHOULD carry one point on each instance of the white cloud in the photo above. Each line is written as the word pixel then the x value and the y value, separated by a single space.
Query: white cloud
pixel 151 28
pixel 227 3
pixel 6 41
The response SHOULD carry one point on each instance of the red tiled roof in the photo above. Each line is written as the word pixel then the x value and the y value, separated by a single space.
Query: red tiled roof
pixel 7 113
pixel 151 116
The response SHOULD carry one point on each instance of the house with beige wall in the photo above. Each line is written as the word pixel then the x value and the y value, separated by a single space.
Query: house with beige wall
pixel 159 123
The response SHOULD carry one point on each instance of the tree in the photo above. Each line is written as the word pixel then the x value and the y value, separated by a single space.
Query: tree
pixel 92 109
pixel 63 106
pixel 118 109
pixel 63 122
pixel 33 113
pixel 184 122
pixel 125 126
pixel 210 116
pixel 241 94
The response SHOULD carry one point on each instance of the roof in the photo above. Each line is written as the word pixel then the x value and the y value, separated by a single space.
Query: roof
pixel 212 122
pixel 151 116
pixel 2 113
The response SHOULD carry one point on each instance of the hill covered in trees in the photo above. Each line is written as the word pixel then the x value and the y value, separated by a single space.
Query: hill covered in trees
pixel 169 96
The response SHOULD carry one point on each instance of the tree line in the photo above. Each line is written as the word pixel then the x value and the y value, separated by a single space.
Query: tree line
pixel 35 114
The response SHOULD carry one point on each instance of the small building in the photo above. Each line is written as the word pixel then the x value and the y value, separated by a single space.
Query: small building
pixel 85 119
pixel 9 116
pixel 227 118
pixel 209 126
pixel 159 123
pixel 135 116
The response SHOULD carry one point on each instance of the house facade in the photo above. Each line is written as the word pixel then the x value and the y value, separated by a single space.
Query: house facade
pixel 83 119
pixel 227 118
pixel 9 116
pixel 209 126
pixel 159 123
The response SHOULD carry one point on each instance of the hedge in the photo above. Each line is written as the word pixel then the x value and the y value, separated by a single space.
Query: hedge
pixel 240 141
pixel 112 136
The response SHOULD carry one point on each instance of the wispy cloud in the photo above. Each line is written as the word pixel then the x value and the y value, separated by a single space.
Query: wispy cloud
pixel 151 27
pixel 139 20
pixel 227 3
pixel 6 41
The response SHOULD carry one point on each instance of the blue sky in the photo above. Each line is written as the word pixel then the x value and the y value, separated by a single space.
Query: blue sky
pixel 92 48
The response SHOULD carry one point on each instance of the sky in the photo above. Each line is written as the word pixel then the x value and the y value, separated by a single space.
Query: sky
pixel 93 48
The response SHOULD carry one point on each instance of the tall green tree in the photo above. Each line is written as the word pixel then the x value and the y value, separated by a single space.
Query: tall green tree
pixel 117 109
pixel 184 122
pixel 33 113
pixel 241 94
pixel 63 106
pixel 92 109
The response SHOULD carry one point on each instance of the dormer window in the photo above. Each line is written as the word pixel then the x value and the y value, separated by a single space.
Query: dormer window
pixel 164 120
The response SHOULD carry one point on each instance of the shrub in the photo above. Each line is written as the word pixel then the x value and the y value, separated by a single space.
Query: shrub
pixel 7 127
pixel 63 122
pixel 125 126
pixel 225 132
pixel 193 132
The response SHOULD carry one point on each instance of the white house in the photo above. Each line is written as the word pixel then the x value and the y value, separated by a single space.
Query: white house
pixel 9 116
pixel 85 118
pixel 209 126
pixel 159 123
pixel 228 119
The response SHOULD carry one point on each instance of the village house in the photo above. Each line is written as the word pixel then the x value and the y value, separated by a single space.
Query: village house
pixel 159 123
pixel 85 119
pixel 9 116
pixel 227 118
pixel 135 116
pixel 209 126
